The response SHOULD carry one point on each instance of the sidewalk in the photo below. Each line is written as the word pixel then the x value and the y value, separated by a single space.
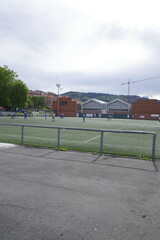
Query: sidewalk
pixel 51 195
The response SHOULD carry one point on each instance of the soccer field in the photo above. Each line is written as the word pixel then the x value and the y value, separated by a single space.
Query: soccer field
pixel 113 143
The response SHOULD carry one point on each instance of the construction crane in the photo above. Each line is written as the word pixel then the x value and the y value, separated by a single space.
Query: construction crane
pixel 140 80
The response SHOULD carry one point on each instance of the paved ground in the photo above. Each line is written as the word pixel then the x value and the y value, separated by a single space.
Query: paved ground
pixel 51 195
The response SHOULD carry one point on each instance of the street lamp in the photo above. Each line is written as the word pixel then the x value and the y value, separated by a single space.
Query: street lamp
pixel 58 86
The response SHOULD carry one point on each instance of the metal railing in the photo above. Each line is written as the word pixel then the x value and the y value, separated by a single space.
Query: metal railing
pixel 101 131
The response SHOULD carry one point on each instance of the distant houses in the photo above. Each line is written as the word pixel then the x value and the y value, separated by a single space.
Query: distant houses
pixel 63 105
pixel 49 96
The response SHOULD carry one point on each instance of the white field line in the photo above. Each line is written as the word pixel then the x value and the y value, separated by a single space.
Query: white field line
pixel 99 136
pixel 92 139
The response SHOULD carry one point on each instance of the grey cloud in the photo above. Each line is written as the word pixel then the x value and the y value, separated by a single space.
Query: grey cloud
pixel 35 35
pixel 112 31
pixel 91 83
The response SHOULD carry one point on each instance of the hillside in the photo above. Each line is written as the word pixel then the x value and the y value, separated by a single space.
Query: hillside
pixel 82 96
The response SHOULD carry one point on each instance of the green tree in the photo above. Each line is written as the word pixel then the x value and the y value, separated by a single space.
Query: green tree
pixel 7 78
pixel 30 103
pixel 38 101
pixel 19 94
pixel 13 92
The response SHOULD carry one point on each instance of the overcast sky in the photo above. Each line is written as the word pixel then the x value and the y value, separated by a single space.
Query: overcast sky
pixel 85 45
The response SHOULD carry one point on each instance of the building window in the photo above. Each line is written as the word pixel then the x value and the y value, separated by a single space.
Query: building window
pixel 112 109
pixel 64 103
pixel 87 109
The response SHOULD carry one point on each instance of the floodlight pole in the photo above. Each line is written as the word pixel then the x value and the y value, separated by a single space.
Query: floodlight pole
pixel 58 86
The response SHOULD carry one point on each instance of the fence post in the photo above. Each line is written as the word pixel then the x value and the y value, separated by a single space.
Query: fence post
pixel 22 136
pixel 153 153
pixel 101 143
pixel 154 147
pixel 59 135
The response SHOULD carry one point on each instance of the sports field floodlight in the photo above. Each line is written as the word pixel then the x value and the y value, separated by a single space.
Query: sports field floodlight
pixel 58 86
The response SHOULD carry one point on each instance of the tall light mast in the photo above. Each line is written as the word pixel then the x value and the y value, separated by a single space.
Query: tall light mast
pixel 58 86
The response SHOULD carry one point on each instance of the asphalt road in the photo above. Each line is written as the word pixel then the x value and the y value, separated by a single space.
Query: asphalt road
pixel 51 195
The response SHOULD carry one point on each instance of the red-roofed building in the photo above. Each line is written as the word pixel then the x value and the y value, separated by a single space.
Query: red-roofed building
pixel 49 96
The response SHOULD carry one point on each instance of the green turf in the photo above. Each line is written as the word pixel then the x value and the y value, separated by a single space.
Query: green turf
pixel 114 143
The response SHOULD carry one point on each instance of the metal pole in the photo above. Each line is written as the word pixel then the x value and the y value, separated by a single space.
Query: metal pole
pixel 153 153
pixel 154 147
pixel 59 135
pixel 58 104
pixel 58 86
pixel 101 143
pixel 22 136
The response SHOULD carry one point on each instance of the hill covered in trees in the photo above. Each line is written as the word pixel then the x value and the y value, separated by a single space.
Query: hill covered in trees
pixel 82 96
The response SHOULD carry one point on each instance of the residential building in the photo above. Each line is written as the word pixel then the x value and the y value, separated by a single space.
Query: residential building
pixel 49 96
